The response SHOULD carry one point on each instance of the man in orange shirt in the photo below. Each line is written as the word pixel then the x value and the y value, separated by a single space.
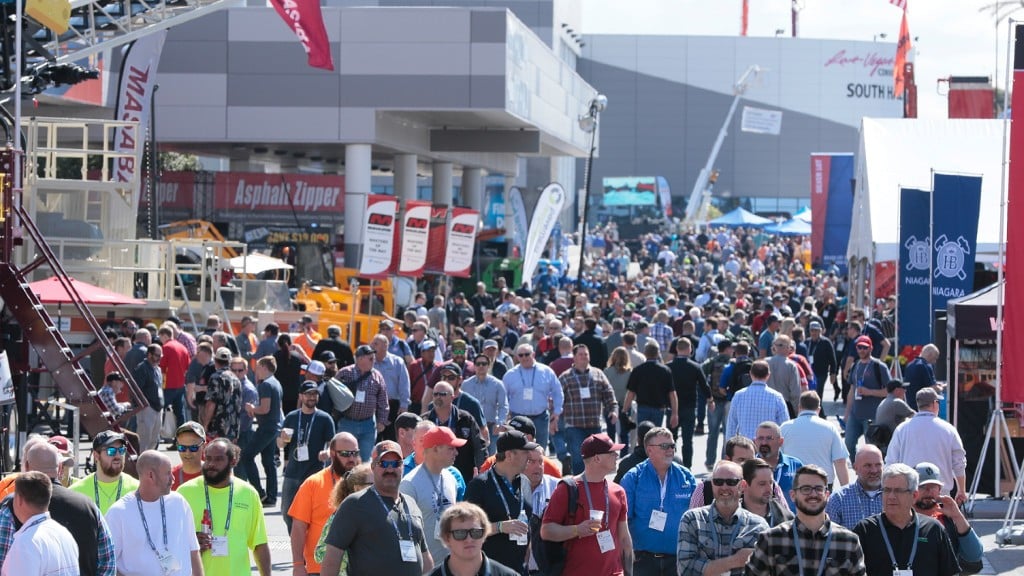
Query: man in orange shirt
pixel 309 337
pixel 525 425
pixel 311 507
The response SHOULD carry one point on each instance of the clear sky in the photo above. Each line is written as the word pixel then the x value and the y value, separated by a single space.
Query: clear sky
pixel 954 37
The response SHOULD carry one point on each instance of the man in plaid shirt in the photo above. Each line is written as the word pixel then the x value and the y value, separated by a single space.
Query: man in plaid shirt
pixel 369 412
pixel 811 541
pixel 586 391
pixel 661 331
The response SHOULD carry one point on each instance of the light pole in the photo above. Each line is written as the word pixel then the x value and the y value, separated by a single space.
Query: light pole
pixel 588 123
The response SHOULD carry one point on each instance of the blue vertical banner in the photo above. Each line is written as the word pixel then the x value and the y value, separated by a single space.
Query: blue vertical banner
pixel 494 205
pixel 914 318
pixel 831 209
pixel 956 203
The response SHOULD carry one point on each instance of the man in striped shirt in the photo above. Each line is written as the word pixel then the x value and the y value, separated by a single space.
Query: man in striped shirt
pixel 755 404
pixel 588 398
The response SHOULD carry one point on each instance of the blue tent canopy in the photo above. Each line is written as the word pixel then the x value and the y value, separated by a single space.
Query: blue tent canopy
pixel 794 227
pixel 740 217
pixel 804 214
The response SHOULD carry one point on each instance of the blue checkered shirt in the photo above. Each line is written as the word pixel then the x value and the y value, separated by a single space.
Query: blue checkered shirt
pixel 850 504
pixel 663 335
pixel 696 545
pixel 753 405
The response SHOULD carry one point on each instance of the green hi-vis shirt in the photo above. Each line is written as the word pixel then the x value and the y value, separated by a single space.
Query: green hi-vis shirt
pixel 106 493
pixel 247 529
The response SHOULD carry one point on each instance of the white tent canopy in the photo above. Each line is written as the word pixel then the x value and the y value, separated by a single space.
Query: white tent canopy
pixel 897 153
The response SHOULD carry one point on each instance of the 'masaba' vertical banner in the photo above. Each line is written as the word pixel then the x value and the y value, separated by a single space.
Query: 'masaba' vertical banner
pixel 415 238
pixel 134 98
pixel 459 253
pixel 378 236
pixel 956 202
pixel 1012 381
pixel 914 318
pixel 438 242
pixel 838 213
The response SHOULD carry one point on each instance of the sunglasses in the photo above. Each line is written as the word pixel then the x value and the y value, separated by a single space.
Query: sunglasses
pixel 474 533
pixel 115 450
pixel 347 453
pixel 663 446
pixel 862 347
pixel 725 481
pixel 481 364
pixel 524 354
pixel 389 464
pixel 441 394
pixel 192 448
pixel 450 378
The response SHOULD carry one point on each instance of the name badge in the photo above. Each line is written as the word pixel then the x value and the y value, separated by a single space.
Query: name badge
pixel 220 546
pixel 168 564
pixel 585 393
pixel 301 453
pixel 527 394
pixel 658 519
pixel 902 573
pixel 408 550
pixel 605 541
pixel 361 396
pixel 437 529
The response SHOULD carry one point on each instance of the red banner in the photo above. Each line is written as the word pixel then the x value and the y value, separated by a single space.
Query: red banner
pixel 820 165
pixel 458 259
pixel 1013 294
pixel 378 236
pixel 258 192
pixel 415 238
pixel 307 21
pixel 438 241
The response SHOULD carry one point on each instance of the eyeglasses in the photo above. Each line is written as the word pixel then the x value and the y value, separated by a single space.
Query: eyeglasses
pixel 115 450
pixel 474 533
pixel 725 481
pixel 182 448
pixel 389 464
pixel 524 354
pixel 450 378
pixel 441 394
pixel 347 453
pixel 763 439
pixel 808 490
pixel 663 446
pixel 895 491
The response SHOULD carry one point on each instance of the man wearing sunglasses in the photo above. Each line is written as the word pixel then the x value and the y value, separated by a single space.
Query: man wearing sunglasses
pixel 463 528
pixel 531 387
pixel 189 440
pixel 868 379
pixel 109 482
pixel 444 413
pixel 490 392
pixel 431 485
pixel 305 431
pixel 719 538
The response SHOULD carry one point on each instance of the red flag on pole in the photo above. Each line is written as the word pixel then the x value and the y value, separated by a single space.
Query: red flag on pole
pixel 1011 383
pixel 745 19
pixel 902 49
pixel 902 4
pixel 307 21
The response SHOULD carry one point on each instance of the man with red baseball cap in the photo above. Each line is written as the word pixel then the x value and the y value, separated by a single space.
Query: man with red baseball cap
pixel 431 485
pixel 868 379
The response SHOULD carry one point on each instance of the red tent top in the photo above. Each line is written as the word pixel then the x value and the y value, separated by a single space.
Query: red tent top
pixel 51 291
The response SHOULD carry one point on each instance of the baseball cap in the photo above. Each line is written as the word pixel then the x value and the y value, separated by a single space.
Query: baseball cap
pixel 308 386
pixel 928 473
pixel 191 426
pixel 773 317
pixel 407 421
pixel 863 341
pixel 385 447
pixel 106 438
pixel 223 354
pixel 514 440
pixel 814 325
pixel 441 436
pixel 364 350
pixel 307 319
pixel 388 324
pixel 60 442
pixel 490 344
pixel 427 345
pixel 523 424
pixel 451 367
pixel 315 368
pixel 328 356
pixel 599 444
pixel 459 347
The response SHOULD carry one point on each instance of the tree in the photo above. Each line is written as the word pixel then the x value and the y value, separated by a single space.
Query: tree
pixel 179 162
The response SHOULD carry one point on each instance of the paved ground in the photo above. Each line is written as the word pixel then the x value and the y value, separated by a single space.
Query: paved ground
pixel 988 518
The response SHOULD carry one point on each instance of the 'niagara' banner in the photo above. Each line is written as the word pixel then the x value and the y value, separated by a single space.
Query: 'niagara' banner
pixel 1012 382
pixel 915 318
pixel 462 229
pixel 956 202
pixel 549 207
pixel 415 238
pixel 831 208
pixel 378 236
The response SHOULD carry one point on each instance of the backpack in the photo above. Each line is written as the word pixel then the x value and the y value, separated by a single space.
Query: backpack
pixel 550 556
pixel 713 369
pixel 740 375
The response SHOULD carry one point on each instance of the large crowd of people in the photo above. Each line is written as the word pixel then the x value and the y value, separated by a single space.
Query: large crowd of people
pixel 486 428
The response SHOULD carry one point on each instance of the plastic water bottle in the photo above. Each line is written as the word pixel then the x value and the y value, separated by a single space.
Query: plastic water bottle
pixel 522 539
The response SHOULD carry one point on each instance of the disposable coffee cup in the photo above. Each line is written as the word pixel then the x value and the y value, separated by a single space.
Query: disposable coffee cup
pixel 287 433
pixel 597 515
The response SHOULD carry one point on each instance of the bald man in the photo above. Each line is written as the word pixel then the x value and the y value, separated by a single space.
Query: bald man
pixel 70 509
pixel 153 526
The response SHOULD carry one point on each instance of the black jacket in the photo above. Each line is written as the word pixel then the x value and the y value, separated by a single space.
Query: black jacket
pixel 598 354
pixel 688 379
pixel 822 356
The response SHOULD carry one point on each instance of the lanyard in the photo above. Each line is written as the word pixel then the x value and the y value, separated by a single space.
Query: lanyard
pixel 585 376
pixel 145 525
pixel 231 501
pixel 824 551
pixel 36 522
pixel 590 502
pixel 533 375
pixel 664 485
pixel 96 488
pixel 387 512
pixel 714 529
pixel 501 493
pixel 451 418
pixel 778 470
pixel 888 545
pixel 438 486
pixel 307 429
pixel 812 348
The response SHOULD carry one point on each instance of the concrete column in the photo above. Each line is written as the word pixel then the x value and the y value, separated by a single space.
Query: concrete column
pixel 405 177
pixel 442 183
pixel 473 188
pixel 241 161
pixel 357 188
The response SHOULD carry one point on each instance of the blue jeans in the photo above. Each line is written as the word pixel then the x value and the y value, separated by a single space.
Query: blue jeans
pixel 365 432
pixel 540 422
pixel 574 437
pixel 716 423
pixel 687 415
pixel 558 441
pixel 648 565
pixel 176 400
pixel 702 407
pixel 492 446
pixel 260 443
pixel 656 415
pixel 289 488
pixel 854 430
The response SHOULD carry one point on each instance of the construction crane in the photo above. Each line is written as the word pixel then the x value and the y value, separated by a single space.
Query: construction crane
pixel 702 188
